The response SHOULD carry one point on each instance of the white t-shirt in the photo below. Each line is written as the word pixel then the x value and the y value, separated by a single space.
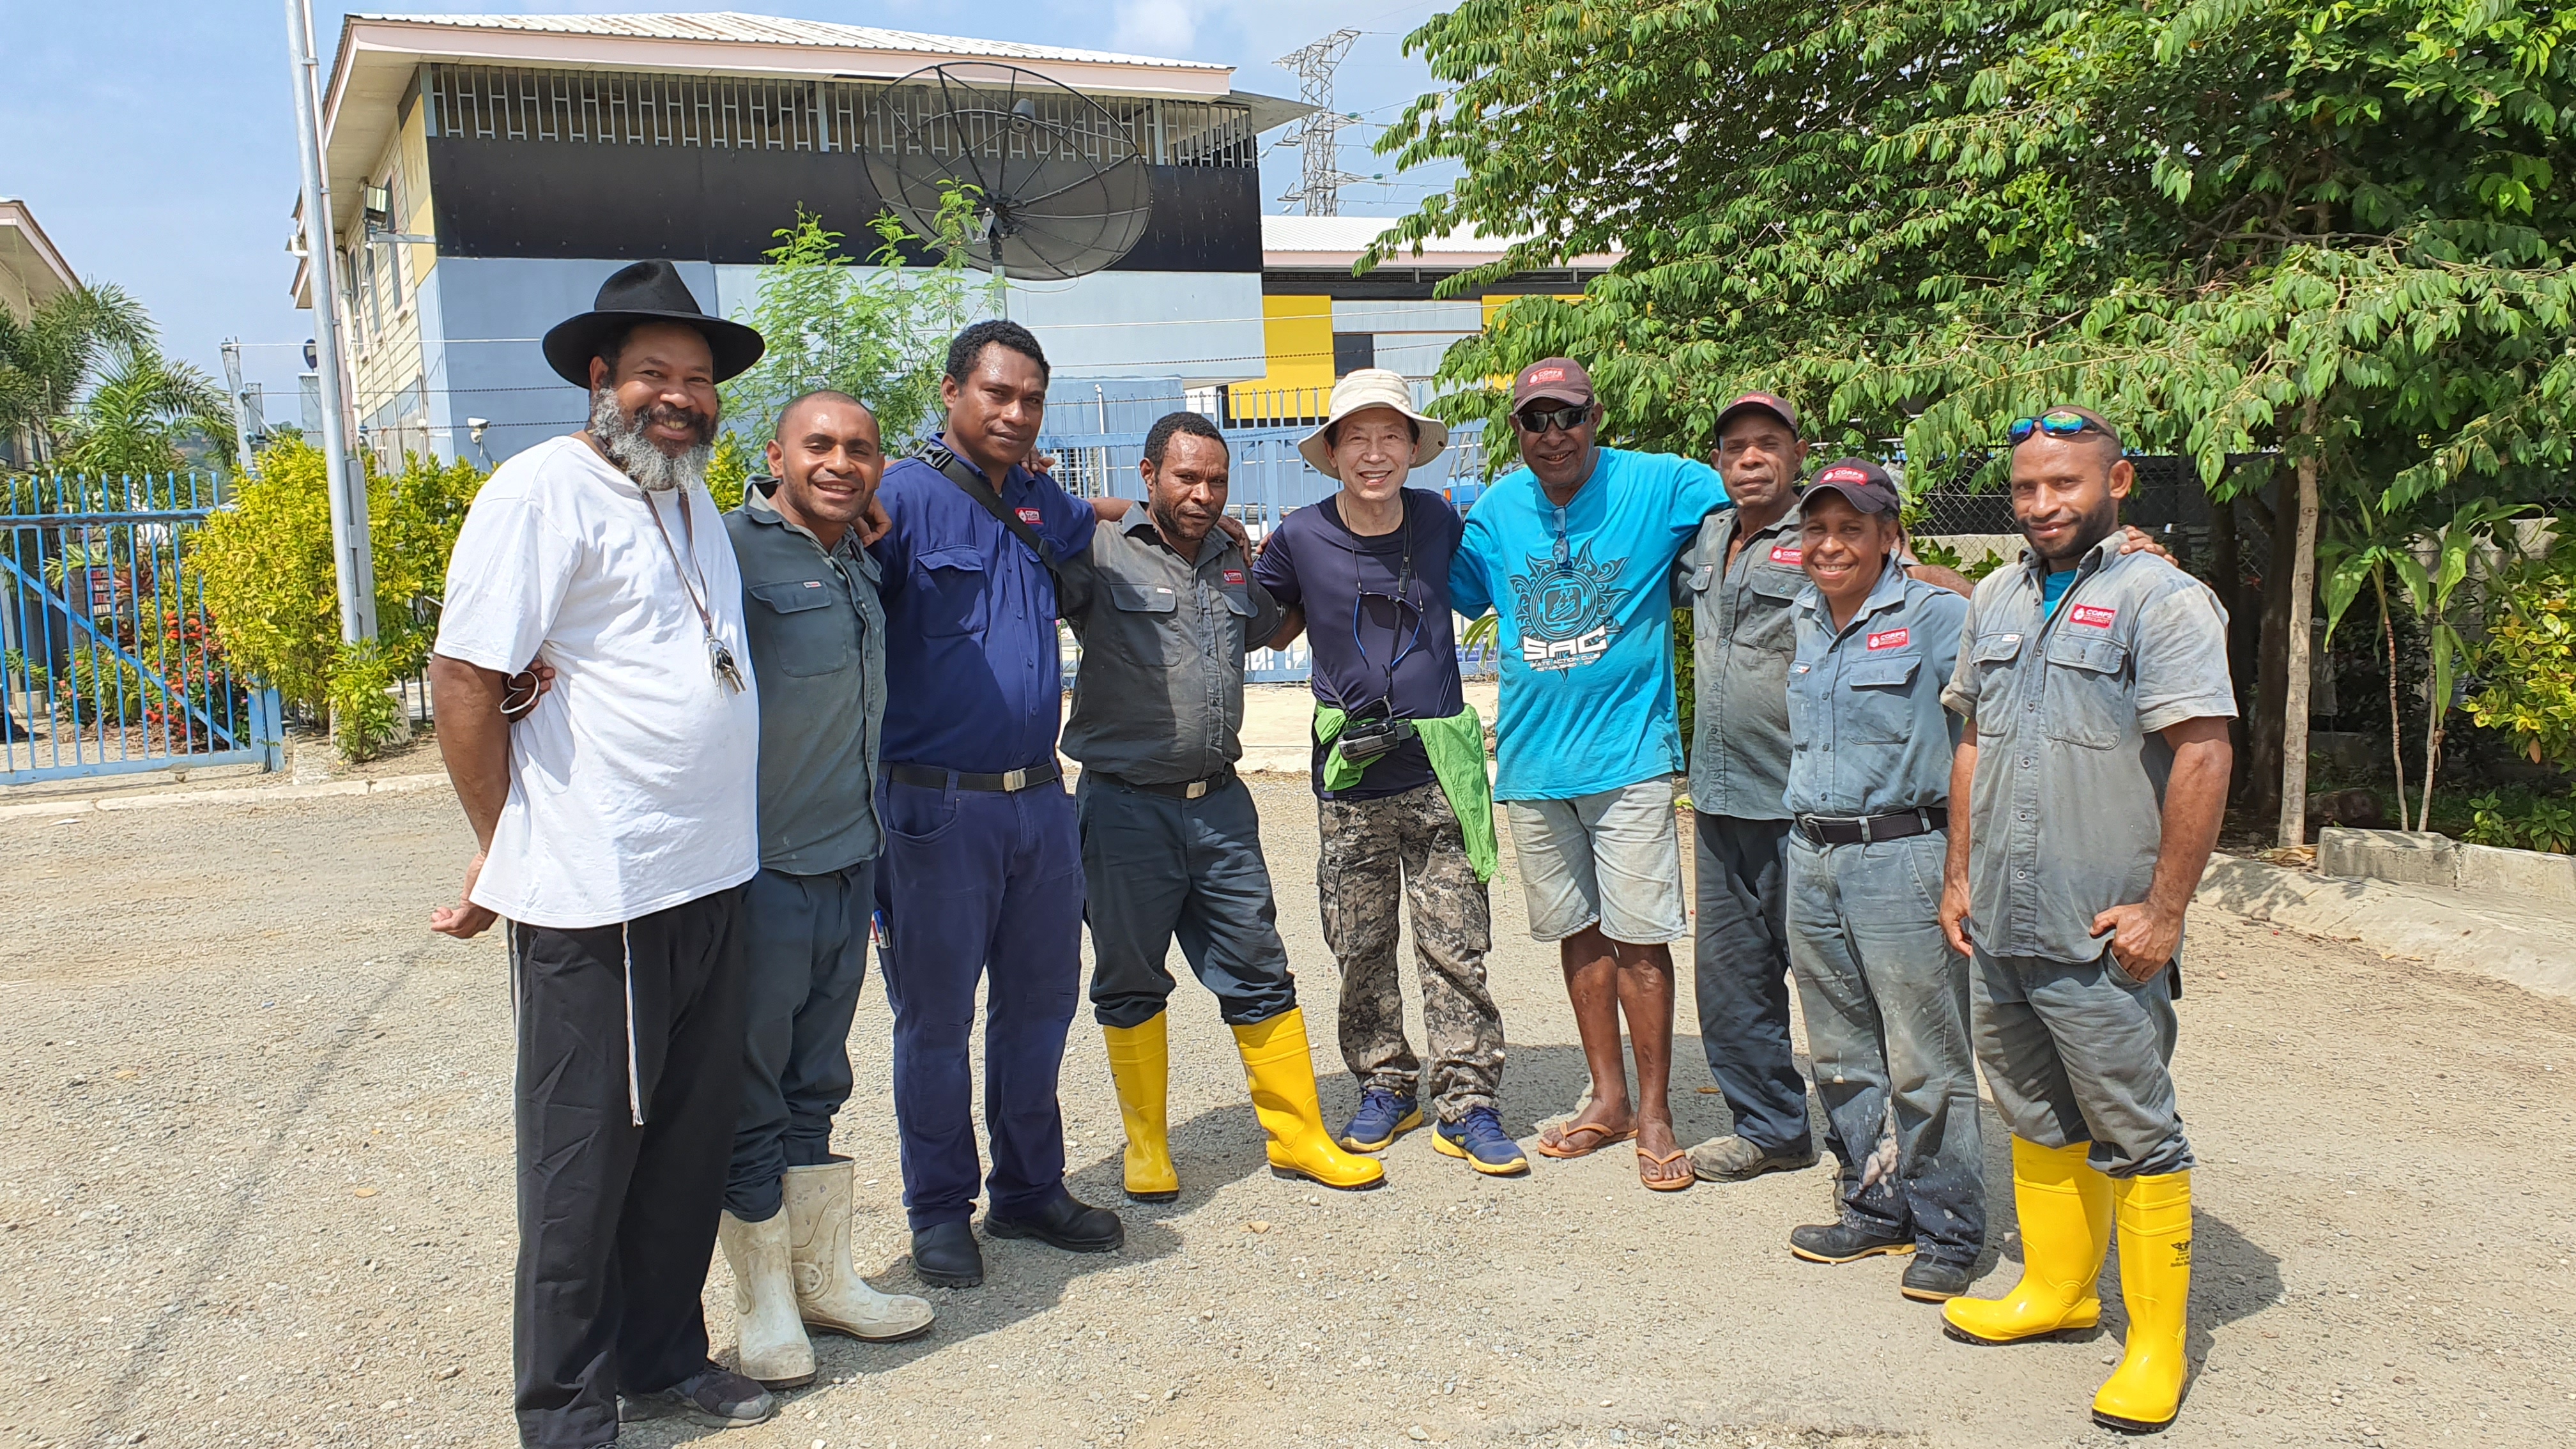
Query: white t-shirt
pixel 634 782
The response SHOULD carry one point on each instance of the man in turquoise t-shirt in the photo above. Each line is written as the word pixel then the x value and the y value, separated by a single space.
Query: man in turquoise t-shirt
pixel 1572 552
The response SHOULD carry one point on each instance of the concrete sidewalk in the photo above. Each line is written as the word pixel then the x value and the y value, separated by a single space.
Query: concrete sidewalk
pixel 2518 940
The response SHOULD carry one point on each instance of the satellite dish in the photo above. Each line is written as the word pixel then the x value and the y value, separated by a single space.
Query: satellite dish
pixel 1059 187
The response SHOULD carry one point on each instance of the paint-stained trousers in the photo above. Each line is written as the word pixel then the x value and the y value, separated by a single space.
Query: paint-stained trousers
pixel 617 1218
pixel 1886 1003
pixel 1740 973
pixel 806 956
pixel 978 884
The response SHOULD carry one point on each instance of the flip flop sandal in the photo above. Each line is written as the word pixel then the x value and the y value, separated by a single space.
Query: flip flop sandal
pixel 1563 1148
pixel 1663 1184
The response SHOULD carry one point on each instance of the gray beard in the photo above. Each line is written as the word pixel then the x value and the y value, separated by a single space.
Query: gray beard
pixel 621 437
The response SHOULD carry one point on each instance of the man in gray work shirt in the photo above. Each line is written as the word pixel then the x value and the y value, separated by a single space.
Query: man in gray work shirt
pixel 2093 763
pixel 1165 607
pixel 817 638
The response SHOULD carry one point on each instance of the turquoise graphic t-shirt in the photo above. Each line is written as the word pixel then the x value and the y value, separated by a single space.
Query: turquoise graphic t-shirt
pixel 1587 625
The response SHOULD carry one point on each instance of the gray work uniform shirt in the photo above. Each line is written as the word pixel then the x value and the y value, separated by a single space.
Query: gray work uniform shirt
pixel 1742 638
pixel 2066 808
pixel 1158 697
pixel 817 635
pixel 1867 732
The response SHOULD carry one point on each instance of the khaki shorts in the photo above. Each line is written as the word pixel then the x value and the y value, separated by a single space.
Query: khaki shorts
pixel 1614 858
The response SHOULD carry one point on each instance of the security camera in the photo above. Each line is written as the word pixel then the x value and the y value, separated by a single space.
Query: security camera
pixel 474 427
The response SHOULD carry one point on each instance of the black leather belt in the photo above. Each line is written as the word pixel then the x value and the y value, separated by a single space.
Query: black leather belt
pixel 1185 790
pixel 1867 829
pixel 1006 783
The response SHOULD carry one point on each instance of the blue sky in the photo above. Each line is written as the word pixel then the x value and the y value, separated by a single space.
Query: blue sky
pixel 156 144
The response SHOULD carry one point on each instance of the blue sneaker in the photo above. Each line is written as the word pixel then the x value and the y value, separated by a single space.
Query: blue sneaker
pixel 1479 1137
pixel 1383 1117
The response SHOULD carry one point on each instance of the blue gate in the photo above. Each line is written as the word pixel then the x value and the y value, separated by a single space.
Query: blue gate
pixel 111 664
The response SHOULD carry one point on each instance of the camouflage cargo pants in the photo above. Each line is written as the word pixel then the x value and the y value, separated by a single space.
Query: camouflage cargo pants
pixel 1410 844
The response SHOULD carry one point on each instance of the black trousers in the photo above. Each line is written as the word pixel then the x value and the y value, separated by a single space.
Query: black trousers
pixel 806 954
pixel 630 1072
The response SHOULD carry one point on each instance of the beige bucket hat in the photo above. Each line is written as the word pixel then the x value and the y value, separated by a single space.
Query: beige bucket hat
pixel 1373 387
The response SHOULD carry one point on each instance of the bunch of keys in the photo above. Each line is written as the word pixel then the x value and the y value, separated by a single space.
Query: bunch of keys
pixel 720 660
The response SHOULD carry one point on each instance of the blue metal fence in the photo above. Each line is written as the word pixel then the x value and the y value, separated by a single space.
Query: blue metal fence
pixel 108 661
pixel 1270 480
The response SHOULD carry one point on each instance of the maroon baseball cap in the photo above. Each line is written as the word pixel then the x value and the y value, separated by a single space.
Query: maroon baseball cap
pixel 1561 379
pixel 1862 483
pixel 1772 403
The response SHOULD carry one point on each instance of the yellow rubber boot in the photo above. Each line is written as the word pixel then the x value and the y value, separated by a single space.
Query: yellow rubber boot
pixel 2145 1391
pixel 1140 1062
pixel 2065 1209
pixel 1282 1077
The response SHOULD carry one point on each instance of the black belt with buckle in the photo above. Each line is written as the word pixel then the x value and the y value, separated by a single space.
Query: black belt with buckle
pixel 1009 782
pixel 1186 790
pixel 1868 829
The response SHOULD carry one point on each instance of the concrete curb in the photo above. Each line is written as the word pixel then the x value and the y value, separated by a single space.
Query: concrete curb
pixel 2441 927
pixel 258 795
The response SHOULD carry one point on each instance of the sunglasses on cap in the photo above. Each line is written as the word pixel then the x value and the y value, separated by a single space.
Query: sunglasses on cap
pixel 2055 425
pixel 1535 420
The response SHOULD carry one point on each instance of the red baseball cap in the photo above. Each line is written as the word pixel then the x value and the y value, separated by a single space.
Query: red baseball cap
pixel 1560 379
pixel 1772 403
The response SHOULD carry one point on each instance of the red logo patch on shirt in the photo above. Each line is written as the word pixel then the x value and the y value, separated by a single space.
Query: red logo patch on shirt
pixel 1781 553
pixel 2092 616
pixel 1892 639
pixel 1030 516
pixel 1234 576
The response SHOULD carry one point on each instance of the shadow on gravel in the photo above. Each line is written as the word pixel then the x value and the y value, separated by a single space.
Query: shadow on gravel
pixel 214 1252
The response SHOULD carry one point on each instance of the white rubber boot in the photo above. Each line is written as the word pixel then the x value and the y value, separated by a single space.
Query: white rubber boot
pixel 774 1349
pixel 830 1294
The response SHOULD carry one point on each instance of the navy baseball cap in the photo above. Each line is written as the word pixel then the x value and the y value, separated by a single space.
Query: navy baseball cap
pixel 1772 403
pixel 1862 483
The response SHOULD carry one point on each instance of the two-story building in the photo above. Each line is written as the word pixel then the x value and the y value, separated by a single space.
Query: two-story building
pixel 487 172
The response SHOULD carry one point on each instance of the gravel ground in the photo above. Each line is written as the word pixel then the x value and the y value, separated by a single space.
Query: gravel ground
pixel 256 1189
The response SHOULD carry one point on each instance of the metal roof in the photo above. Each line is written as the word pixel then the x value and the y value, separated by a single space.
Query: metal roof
pixel 733 26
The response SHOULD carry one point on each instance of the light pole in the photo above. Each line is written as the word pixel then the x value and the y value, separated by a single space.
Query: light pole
pixel 352 559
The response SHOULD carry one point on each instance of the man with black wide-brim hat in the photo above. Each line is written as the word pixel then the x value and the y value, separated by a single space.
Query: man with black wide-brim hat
pixel 616 820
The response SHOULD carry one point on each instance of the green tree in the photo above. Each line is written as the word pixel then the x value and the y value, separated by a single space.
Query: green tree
pixel 142 406
pixel 47 355
pixel 2338 234
pixel 881 336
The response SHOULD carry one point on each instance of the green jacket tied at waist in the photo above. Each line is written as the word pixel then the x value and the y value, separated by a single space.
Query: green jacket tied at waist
pixel 1456 746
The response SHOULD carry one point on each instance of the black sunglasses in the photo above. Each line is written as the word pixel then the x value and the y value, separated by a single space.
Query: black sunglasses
pixel 1535 421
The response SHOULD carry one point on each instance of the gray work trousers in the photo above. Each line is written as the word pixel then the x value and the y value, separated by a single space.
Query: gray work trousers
pixel 2077 1052
pixel 806 953
pixel 1740 973
pixel 1886 1003
pixel 1155 867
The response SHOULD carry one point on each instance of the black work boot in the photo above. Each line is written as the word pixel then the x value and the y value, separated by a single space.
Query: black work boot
pixel 714 1395
pixel 1844 1243
pixel 1930 1280
pixel 944 1255
pixel 1064 1223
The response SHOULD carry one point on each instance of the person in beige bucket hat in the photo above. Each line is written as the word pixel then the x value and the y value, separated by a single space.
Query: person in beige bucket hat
pixel 1403 802
pixel 1357 392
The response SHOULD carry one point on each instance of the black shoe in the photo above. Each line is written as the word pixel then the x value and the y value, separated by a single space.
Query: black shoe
pixel 944 1255
pixel 1843 1243
pixel 714 1396
pixel 1930 1280
pixel 1064 1223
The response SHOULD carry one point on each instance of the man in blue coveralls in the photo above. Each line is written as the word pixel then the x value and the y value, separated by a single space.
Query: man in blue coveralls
pixel 982 870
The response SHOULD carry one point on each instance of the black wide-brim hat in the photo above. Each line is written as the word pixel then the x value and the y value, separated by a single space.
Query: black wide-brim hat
pixel 646 292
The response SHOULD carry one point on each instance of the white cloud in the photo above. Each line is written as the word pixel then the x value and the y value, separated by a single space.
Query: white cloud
pixel 1155 27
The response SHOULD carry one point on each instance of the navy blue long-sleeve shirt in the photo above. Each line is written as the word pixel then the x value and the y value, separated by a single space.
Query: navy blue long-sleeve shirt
pixel 974 680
